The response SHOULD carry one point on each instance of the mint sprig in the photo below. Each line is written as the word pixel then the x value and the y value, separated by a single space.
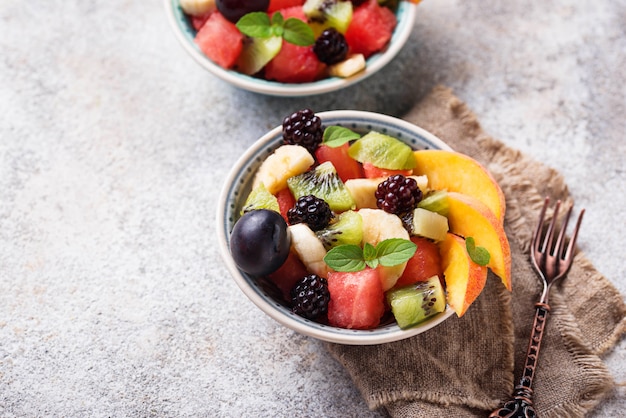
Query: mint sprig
pixel 336 136
pixel 351 258
pixel 479 255
pixel 292 30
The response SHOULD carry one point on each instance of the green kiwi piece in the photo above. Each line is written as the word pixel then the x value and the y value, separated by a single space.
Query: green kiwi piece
pixel 329 13
pixel 436 201
pixel 324 183
pixel 414 303
pixel 382 151
pixel 257 52
pixel 260 198
pixel 346 229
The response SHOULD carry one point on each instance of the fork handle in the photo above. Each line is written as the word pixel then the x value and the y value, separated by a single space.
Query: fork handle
pixel 521 405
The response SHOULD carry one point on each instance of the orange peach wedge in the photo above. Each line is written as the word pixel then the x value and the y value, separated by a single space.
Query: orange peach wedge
pixel 464 278
pixel 457 172
pixel 469 217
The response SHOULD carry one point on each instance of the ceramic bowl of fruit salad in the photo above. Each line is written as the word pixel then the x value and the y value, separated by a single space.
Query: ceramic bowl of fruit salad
pixel 359 228
pixel 292 47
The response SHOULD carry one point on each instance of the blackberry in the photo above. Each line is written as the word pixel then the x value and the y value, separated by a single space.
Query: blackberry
pixel 310 296
pixel 303 128
pixel 398 194
pixel 331 47
pixel 312 211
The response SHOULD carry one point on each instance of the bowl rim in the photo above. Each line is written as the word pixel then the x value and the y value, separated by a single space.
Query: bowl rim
pixel 407 10
pixel 319 331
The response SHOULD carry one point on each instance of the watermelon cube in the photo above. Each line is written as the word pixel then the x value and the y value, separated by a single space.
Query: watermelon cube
pixel 371 28
pixel 283 4
pixel 425 263
pixel 220 40
pixel 285 202
pixel 294 64
pixel 288 275
pixel 357 300
pixel 346 166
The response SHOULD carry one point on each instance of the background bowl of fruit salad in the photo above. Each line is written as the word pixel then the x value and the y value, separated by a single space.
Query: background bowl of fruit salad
pixel 296 203
pixel 266 47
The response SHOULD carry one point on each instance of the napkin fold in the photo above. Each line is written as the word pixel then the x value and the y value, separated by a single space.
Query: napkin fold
pixel 468 366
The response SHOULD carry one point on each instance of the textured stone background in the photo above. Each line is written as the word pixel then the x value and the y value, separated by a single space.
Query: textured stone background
pixel 114 144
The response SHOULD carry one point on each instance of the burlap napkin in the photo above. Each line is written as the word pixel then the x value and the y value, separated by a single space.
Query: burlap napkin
pixel 468 366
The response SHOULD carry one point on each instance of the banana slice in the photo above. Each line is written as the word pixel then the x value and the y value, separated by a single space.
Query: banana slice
pixel 287 161
pixel 197 7
pixel 309 248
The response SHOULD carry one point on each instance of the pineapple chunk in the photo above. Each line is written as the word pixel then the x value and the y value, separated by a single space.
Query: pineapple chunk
pixel 429 224
pixel 348 67
pixel 362 191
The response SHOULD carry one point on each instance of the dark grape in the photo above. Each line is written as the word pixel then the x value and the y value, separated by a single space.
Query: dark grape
pixel 260 242
pixel 233 10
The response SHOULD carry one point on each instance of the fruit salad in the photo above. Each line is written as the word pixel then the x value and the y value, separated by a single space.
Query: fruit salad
pixel 291 41
pixel 355 230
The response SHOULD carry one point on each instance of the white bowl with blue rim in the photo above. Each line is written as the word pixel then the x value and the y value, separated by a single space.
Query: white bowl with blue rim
pixel 185 33
pixel 236 188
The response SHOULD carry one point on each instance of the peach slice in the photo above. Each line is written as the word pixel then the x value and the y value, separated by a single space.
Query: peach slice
pixel 457 172
pixel 469 217
pixel 464 278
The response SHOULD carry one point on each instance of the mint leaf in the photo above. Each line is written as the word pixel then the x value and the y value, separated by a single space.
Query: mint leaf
pixel 369 254
pixel 292 30
pixel 297 32
pixel 351 258
pixel 345 257
pixel 479 255
pixel 278 19
pixel 255 25
pixel 394 251
pixel 336 136
pixel 369 251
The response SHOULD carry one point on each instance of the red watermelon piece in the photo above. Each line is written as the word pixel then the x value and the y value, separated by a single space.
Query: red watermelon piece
pixel 425 263
pixel 295 11
pixel 357 300
pixel 371 28
pixel 294 64
pixel 288 275
pixel 373 172
pixel 220 40
pixel 283 4
pixel 347 167
pixel 198 21
pixel 285 202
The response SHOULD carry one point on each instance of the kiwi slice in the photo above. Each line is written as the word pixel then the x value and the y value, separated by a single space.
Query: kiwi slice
pixel 260 198
pixel 322 14
pixel 346 229
pixel 436 201
pixel 257 52
pixel 414 303
pixel 324 183
pixel 382 151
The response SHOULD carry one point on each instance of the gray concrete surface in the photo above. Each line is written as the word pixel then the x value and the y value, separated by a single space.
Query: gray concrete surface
pixel 113 146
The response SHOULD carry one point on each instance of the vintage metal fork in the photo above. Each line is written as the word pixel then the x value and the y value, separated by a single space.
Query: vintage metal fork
pixel 552 261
